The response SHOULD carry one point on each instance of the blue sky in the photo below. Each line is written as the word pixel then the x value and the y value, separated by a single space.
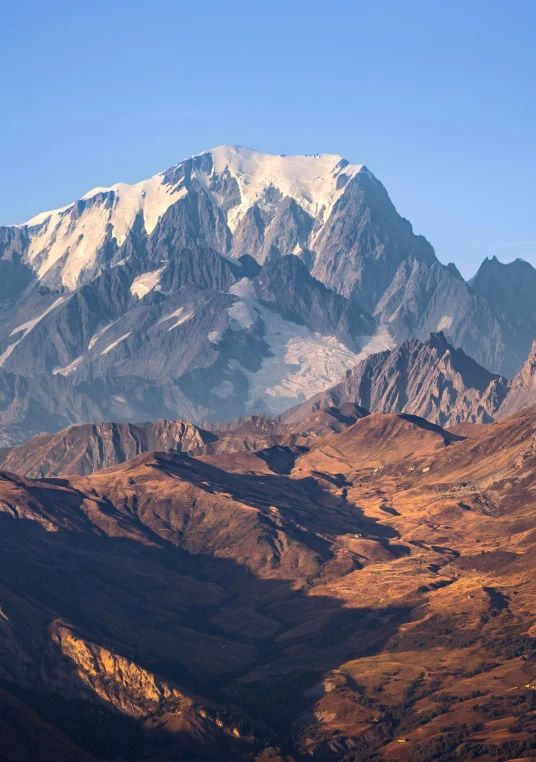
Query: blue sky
pixel 437 99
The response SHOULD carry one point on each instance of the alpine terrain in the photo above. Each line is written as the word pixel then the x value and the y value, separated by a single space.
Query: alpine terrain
pixel 267 477
pixel 231 284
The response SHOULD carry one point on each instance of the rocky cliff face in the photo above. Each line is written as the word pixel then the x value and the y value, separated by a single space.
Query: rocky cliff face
pixel 430 379
pixel 87 448
pixel 362 247
pixel 522 387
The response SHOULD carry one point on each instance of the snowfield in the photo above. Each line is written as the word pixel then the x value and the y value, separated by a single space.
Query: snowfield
pixel 301 363
pixel 72 237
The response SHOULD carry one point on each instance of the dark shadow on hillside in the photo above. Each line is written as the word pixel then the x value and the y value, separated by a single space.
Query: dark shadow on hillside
pixel 170 610
pixel 448 437
pixel 303 498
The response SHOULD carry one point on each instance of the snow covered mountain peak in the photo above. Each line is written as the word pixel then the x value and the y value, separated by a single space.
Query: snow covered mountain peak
pixel 66 243
pixel 314 181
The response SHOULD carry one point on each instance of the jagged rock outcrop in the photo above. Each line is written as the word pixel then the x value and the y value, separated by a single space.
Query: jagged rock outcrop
pixel 522 387
pixel 431 379
pixel 366 240
pixel 89 447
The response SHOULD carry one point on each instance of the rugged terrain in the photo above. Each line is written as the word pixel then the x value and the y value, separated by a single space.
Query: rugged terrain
pixel 431 379
pixel 280 500
pixel 374 601
pixel 86 448
pixel 235 283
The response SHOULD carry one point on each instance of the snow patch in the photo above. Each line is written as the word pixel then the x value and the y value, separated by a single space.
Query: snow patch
pixel 145 283
pixel 115 343
pixel 30 324
pixel 93 340
pixel 243 313
pixel 380 341
pixel 171 315
pixel 27 327
pixel 68 368
pixel 180 314
pixel 242 316
pixel 215 337
pixel 5 354
pixel 445 323
pixel 182 319
pixel 223 390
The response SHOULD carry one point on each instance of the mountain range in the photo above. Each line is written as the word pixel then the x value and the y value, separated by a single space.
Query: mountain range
pixel 235 283
pixel 431 380
pixel 267 477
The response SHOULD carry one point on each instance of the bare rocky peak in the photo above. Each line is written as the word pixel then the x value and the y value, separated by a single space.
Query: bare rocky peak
pixel 430 379
pixel 522 387
pixel 88 447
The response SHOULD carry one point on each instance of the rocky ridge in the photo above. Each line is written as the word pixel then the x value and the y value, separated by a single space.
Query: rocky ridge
pixel 431 379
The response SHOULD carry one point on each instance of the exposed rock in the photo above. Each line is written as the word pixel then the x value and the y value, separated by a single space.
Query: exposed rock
pixel 87 448
pixel 431 379
pixel 522 387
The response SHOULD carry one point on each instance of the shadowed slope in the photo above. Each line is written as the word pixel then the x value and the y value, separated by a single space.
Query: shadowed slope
pixel 383 589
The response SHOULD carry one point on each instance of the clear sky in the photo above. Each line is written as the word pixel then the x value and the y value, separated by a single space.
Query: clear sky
pixel 438 99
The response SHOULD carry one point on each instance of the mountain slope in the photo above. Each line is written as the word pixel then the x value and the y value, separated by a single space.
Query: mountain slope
pixel 522 387
pixel 188 339
pixel 83 449
pixel 200 201
pixel 208 608
pixel 89 447
pixel 149 300
pixel 334 215
pixel 431 379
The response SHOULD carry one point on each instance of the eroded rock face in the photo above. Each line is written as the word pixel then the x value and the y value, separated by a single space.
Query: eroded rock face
pixel 78 666
pixel 365 241
pixel 522 387
pixel 90 447
pixel 431 379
